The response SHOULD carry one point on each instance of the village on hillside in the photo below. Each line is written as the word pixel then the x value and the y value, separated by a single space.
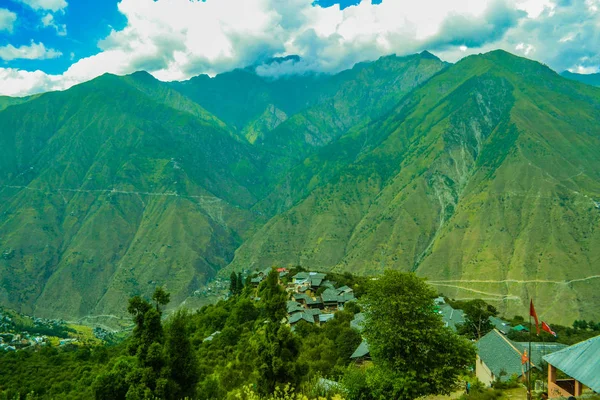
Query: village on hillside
pixel 20 332
pixel 314 299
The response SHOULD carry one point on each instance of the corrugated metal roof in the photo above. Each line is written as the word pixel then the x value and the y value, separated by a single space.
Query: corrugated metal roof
pixel 580 361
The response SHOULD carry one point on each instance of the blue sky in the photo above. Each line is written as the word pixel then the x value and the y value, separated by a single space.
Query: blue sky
pixel 53 44
pixel 86 22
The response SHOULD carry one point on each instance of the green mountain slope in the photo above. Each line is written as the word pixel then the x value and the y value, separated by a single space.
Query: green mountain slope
pixel 359 95
pixel 487 173
pixel 113 187
pixel 589 79
pixel 483 176
pixel 240 96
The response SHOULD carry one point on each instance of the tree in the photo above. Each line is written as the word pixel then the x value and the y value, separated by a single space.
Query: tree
pixel 278 359
pixel 240 283
pixel 160 297
pixel 278 349
pixel 113 385
pixel 274 297
pixel 233 280
pixel 414 355
pixel 477 319
pixel 580 324
pixel 180 357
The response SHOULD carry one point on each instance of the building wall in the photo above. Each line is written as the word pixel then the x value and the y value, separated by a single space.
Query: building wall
pixel 483 373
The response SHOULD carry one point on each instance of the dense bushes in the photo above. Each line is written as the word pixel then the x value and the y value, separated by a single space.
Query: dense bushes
pixel 239 349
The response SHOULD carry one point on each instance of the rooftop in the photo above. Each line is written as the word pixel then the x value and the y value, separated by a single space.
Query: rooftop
pixel 500 324
pixel 501 356
pixel 361 351
pixel 580 361
pixel 293 306
pixel 451 317
pixel 297 317
pixel 330 296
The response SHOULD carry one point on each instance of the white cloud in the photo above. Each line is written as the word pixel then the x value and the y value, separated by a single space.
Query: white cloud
pixel 35 51
pixel 524 48
pixel 536 7
pixel 580 69
pixel 176 39
pixel 7 20
pixel 48 21
pixel 51 5
pixel 18 82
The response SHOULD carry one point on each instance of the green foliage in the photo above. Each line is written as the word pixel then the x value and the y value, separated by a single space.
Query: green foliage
pixel 477 314
pixel 414 354
pixel 160 298
pixel 233 283
pixel 181 361
pixel 274 297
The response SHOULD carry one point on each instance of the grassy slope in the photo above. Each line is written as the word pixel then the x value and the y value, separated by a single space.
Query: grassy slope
pixel 486 171
pixel 98 245
pixel 482 175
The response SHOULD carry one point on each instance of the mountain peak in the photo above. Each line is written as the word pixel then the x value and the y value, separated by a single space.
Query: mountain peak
pixel 427 55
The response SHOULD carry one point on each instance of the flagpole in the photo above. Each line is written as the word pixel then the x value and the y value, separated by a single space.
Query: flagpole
pixel 529 360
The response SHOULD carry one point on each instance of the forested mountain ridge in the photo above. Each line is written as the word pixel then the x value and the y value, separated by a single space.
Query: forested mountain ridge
pixel 590 79
pixel 487 173
pixel 484 172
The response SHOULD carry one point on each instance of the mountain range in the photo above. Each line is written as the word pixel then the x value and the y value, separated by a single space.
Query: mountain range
pixel 590 79
pixel 483 176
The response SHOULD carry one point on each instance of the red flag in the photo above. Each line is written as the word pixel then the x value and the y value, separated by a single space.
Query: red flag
pixel 524 357
pixel 546 327
pixel 534 315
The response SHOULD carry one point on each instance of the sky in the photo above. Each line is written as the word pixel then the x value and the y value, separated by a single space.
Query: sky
pixel 55 44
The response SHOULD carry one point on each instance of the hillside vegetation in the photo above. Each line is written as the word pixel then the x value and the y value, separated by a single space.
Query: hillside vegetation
pixel 483 176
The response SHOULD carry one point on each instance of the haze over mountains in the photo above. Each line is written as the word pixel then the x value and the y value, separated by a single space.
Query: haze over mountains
pixel 482 176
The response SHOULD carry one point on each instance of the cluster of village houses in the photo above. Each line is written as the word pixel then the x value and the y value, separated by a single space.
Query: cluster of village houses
pixel 313 298
pixel 498 357
pixel 12 340
pixel 501 359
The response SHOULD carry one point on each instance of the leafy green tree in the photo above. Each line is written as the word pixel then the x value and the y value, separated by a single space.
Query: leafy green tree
pixel 477 318
pixel 113 385
pixel 580 324
pixel 240 283
pixel 160 297
pixel 414 354
pixel 274 297
pixel 180 356
pixel 278 349
pixel 278 364
pixel 233 281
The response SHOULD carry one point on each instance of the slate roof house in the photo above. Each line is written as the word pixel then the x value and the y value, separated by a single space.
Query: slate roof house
pixel 300 278
pixel 362 353
pixel 293 307
pixel 499 358
pixel 500 324
pixel 316 279
pixel 330 297
pixel 581 362
pixel 451 317
pixel 299 316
